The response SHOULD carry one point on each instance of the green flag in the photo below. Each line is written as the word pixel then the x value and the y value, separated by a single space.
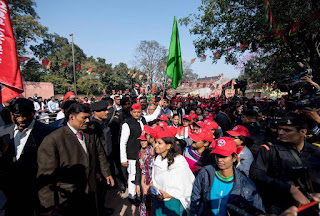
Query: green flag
pixel 174 65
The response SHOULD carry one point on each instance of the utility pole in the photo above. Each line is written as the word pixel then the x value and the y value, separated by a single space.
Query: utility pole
pixel 74 67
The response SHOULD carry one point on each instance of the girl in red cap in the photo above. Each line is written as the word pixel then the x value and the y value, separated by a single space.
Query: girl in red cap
pixel 241 137
pixel 220 188
pixel 171 177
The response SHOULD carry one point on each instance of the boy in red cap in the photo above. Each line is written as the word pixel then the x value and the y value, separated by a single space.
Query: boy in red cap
pixel 198 152
pixel 130 146
pixel 184 131
pixel 217 186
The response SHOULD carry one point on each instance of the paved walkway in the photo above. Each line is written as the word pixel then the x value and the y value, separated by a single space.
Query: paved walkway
pixel 120 203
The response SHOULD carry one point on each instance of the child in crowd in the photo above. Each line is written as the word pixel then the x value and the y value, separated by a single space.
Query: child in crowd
pixel 175 120
pixel 241 137
pixel 197 153
pixel 184 131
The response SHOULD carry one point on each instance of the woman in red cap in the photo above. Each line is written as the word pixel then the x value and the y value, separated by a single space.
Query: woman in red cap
pixel 241 137
pixel 220 188
pixel 172 178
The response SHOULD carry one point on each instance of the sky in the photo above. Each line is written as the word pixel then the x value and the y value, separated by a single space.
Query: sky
pixel 114 29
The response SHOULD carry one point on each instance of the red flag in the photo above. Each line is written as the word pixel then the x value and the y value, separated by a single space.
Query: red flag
pixel 243 46
pixel 217 55
pixel 23 59
pixel 103 71
pixel 89 70
pixel 64 64
pixel 193 60
pixel 78 67
pixel 11 80
pixel 46 64
pixel 97 69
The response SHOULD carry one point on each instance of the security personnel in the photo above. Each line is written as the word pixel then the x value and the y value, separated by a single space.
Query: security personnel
pixel 286 171
pixel 97 124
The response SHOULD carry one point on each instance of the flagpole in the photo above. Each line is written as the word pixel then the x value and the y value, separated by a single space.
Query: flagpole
pixel 74 67
pixel 164 85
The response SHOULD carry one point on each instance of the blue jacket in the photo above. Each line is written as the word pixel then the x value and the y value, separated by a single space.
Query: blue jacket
pixel 244 194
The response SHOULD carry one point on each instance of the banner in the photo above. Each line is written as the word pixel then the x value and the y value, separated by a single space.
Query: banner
pixel 23 59
pixel 78 67
pixel 64 64
pixel 11 81
pixel 203 58
pixel 46 64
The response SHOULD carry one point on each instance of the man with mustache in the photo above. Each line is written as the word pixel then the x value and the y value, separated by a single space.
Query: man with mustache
pixel 71 163
pixel 18 157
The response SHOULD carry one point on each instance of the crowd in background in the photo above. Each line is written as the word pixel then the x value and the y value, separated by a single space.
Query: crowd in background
pixel 174 155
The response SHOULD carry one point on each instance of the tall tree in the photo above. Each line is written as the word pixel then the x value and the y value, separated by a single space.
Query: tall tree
pixel 291 33
pixel 149 56
pixel 25 23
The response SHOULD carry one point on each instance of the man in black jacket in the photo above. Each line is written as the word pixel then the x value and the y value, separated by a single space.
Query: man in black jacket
pixel 130 145
pixel 18 161
pixel 287 171
pixel 100 113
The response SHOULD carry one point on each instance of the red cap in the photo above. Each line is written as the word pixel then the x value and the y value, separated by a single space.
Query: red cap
pixel 68 94
pixel 193 116
pixel 225 146
pixel 149 130
pixel 127 89
pixel 200 124
pixel 163 118
pixel 239 130
pixel 175 100
pixel 212 125
pixel 136 106
pixel 153 90
pixel 188 117
pixel 163 132
pixel 163 124
pixel 152 98
pixel 173 130
pixel 142 136
pixel 137 85
pixel 202 135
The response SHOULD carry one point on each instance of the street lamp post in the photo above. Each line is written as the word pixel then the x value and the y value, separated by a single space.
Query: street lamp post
pixel 74 67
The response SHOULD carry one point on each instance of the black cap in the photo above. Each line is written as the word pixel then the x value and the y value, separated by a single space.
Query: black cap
pixel 124 100
pixel 99 106
pixel 158 99
pixel 292 119
pixel 67 104
pixel 250 113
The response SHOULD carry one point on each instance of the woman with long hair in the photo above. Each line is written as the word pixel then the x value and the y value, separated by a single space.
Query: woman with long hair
pixel 172 178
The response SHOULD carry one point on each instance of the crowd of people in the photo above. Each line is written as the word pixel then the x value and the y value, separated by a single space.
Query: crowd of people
pixel 173 155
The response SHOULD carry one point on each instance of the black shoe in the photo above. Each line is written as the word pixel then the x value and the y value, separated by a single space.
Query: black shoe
pixel 108 211
pixel 134 202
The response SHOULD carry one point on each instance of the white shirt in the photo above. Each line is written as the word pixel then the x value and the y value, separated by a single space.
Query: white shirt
pixel 36 106
pixel 60 115
pixel 125 133
pixel 20 138
pixel 52 106
pixel 177 180
pixel 82 142
pixel 154 115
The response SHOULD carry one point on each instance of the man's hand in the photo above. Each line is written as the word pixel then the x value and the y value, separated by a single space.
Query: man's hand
pixel 138 190
pixel 312 114
pixel 298 196
pixel 292 211
pixel 110 180
pixel 125 164
pixel 145 188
